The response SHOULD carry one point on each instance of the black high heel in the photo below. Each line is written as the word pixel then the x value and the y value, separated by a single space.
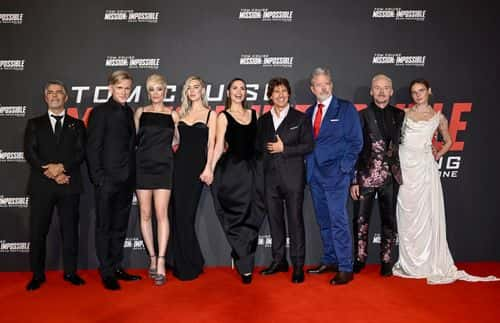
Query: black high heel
pixel 246 278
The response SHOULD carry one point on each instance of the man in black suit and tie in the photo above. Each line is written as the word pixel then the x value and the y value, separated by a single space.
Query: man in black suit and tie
pixel 54 146
pixel 284 137
pixel 111 163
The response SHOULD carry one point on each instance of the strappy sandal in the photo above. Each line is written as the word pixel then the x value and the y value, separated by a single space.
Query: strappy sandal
pixel 160 279
pixel 152 270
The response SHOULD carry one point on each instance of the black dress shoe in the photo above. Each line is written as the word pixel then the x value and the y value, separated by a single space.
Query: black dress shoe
pixel 274 268
pixel 386 269
pixel 123 275
pixel 321 269
pixel 342 278
pixel 74 279
pixel 35 284
pixel 358 266
pixel 298 275
pixel 110 283
pixel 246 279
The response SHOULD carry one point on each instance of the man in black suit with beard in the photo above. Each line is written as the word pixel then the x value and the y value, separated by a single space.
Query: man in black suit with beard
pixel 111 163
pixel 54 146
pixel 284 137
pixel 378 174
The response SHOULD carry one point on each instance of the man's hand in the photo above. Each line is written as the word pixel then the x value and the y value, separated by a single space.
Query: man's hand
pixel 276 147
pixel 62 179
pixel 53 170
pixel 355 192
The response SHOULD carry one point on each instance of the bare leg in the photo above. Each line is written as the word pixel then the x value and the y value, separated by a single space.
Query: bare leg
pixel 144 197
pixel 161 199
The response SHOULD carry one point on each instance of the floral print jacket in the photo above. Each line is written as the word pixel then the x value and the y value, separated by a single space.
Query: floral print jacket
pixel 378 161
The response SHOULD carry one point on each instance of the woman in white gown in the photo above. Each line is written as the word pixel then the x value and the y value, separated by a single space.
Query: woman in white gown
pixel 423 249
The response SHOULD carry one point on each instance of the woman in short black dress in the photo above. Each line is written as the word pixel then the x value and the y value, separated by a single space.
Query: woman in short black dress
pixel 155 126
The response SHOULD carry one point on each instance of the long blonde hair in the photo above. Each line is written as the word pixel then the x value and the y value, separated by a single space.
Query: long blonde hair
pixel 186 103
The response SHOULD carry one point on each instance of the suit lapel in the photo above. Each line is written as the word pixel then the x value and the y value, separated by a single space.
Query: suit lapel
pixel 47 129
pixel 331 113
pixel 310 111
pixel 372 119
pixel 269 123
pixel 64 130
pixel 286 122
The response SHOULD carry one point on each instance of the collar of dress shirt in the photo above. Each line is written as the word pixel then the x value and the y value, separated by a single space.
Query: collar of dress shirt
pixel 278 120
pixel 283 112
pixel 63 113
pixel 53 120
pixel 326 103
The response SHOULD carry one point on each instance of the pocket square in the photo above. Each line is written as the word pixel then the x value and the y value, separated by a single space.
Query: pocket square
pixel 294 127
pixel 334 120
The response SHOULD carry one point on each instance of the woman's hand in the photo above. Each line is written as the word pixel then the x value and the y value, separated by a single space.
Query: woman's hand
pixel 207 176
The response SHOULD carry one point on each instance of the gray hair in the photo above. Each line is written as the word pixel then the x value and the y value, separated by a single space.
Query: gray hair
pixel 320 71
pixel 54 82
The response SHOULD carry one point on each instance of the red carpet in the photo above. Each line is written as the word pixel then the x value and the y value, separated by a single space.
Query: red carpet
pixel 218 296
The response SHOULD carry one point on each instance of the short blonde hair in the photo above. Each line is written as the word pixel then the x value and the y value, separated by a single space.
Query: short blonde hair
pixel 156 79
pixel 118 76
pixel 381 76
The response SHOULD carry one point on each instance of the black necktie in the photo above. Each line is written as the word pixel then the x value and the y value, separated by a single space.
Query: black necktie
pixel 58 127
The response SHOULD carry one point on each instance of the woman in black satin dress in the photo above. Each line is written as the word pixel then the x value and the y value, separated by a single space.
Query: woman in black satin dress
pixel 193 169
pixel 155 126
pixel 235 190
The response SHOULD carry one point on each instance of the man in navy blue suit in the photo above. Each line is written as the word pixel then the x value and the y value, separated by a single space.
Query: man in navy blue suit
pixel 330 168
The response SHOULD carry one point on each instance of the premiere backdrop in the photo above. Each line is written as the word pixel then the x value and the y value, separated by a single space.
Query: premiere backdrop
pixel 451 43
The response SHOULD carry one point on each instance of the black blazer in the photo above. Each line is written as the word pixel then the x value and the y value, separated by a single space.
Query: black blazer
pixel 41 147
pixel 296 133
pixel 111 145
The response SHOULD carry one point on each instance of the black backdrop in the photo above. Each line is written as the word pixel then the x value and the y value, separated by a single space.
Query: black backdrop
pixel 451 43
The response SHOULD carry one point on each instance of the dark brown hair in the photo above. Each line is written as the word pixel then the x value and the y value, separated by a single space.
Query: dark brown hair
pixel 228 102
pixel 274 82
pixel 422 81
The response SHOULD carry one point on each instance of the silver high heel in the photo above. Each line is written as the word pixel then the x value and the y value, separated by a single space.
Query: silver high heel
pixel 160 279
pixel 152 270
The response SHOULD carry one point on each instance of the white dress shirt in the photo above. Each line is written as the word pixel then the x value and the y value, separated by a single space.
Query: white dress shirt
pixel 326 104
pixel 53 120
pixel 278 120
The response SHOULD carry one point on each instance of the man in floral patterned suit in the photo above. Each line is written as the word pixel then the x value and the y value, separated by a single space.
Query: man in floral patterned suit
pixel 377 174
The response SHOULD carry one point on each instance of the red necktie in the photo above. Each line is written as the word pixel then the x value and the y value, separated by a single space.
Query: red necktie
pixel 317 119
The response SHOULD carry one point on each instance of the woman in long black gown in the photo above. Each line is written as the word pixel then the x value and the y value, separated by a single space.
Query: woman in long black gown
pixel 155 125
pixel 193 169
pixel 235 186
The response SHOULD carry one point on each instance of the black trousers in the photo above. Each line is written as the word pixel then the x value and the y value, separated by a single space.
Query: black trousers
pixel 112 208
pixel 387 198
pixel 279 197
pixel 42 208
